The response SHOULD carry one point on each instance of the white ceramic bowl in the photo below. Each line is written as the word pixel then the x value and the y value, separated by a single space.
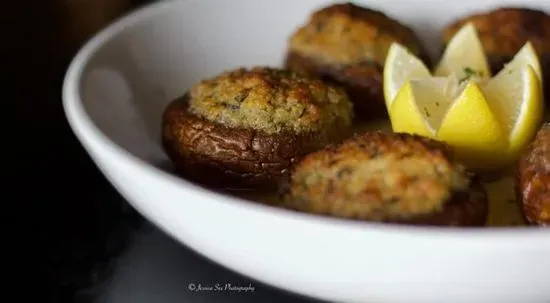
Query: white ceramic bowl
pixel 115 91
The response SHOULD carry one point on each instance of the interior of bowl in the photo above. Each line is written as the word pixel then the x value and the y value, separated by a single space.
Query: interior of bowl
pixel 141 63
pixel 154 56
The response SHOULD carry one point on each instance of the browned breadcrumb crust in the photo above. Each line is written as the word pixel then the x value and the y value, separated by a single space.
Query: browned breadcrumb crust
pixel 270 100
pixel 362 82
pixel 503 31
pixel 533 179
pixel 346 34
pixel 387 177
pixel 347 44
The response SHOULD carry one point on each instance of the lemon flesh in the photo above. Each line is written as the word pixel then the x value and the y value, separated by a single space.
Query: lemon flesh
pixel 464 56
pixel 401 65
pixel 515 97
pixel 525 56
pixel 420 106
pixel 473 130
pixel 405 115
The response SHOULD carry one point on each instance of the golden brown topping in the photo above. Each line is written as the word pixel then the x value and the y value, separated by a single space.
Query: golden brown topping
pixel 505 30
pixel 349 34
pixel 539 154
pixel 270 100
pixel 377 176
pixel 533 179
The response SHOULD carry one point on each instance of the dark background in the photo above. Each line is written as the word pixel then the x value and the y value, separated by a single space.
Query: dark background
pixel 64 221
pixel 66 229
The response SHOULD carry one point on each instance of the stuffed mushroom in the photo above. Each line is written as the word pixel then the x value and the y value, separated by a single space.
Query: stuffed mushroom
pixel 388 177
pixel 347 44
pixel 246 127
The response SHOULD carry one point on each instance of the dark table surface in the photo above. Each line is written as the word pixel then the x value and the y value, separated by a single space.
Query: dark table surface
pixel 155 268
pixel 115 255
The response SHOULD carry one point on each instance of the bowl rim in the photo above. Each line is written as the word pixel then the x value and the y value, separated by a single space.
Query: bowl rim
pixel 86 130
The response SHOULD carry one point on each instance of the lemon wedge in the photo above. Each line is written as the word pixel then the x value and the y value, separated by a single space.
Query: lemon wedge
pixel 464 56
pixel 430 107
pixel 472 128
pixel 401 65
pixel 488 120
pixel 515 96
pixel 525 56
pixel 420 106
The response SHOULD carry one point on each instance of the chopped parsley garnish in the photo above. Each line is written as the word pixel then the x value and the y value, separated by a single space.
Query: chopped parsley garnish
pixel 470 73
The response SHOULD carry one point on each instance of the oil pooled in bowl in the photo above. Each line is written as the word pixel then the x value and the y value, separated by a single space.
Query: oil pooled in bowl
pixel 503 209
